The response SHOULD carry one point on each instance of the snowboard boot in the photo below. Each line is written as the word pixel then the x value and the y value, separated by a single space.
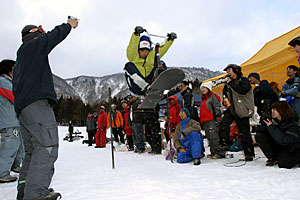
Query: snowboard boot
pixel 53 196
pixel 8 179
pixel 197 161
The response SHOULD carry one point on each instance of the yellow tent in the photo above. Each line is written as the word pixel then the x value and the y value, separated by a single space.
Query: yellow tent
pixel 270 61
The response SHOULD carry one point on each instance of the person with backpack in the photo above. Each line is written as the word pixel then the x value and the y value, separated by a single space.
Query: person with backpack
pixel 34 99
pixel 210 111
pixel 139 70
pixel 115 121
pixel 239 100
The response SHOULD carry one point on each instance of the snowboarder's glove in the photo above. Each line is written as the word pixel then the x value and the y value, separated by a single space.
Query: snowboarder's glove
pixel 171 36
pixel 138 30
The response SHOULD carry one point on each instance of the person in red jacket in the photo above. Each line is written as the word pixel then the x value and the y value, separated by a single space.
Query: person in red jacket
pixel 127 124
pixel 100 136
pixel 210 110
pixel 174 109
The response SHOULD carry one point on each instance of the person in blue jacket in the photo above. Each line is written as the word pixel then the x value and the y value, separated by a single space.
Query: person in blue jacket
pixel 34 99
pixel 290 89
pixel 10 135
pixel 187 139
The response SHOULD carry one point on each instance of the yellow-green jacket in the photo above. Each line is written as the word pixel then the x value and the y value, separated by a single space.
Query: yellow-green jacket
pixel 145 66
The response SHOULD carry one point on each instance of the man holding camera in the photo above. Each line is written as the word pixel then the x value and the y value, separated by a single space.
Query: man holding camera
pixel 34 99
pixel 139 70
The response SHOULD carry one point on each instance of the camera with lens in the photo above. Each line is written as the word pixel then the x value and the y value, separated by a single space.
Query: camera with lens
pixel 265 111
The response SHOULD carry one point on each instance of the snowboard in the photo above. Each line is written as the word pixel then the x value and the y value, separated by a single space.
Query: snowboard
pixel 166 80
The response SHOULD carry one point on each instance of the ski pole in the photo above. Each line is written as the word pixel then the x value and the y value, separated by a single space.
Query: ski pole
pixel 111 140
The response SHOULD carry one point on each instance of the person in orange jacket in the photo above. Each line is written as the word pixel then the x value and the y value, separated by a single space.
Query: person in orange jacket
pixel 100 136
pixel 116 120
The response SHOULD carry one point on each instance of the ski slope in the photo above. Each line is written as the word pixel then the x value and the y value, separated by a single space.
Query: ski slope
pixel 83 172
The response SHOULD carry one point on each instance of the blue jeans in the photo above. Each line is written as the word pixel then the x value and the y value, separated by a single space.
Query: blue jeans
pixel 138 136
pixel 9 145
pixel 193 145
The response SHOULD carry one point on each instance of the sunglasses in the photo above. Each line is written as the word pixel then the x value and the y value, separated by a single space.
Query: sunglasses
pixel 39 28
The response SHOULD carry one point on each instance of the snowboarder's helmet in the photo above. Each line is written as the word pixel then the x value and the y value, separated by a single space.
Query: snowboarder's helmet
pixel 145 43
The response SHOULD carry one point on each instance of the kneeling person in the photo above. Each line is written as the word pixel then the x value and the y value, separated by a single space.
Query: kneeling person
pixel 188 140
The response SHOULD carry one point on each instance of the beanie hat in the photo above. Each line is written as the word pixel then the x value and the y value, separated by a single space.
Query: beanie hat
pixel 208 85
pixel 145 43
pixel 28 34
pixel 187 112
pixel 102 107
pixel 255 75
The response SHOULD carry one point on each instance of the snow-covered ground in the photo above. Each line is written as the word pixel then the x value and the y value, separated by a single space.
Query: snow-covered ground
pixel 85 173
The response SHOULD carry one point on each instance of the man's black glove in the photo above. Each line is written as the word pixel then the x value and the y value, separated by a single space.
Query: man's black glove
pixel 171 36
pixel 138 30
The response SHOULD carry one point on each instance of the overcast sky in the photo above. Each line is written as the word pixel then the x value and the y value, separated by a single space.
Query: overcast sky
pixel 210 33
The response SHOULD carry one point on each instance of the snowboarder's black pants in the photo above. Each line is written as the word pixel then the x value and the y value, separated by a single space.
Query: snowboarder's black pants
pixel 117 132
pixel 286 158
pixel 91 135
pixel 244 131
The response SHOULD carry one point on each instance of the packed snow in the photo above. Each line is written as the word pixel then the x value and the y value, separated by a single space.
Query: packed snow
pixel 83 172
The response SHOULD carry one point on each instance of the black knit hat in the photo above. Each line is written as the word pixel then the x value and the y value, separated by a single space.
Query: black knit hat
pixel 27 35
pixel 294 42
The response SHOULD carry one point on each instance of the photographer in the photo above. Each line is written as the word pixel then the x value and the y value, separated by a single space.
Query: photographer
pixel 264 96
pixel 280 140
pixel 34 99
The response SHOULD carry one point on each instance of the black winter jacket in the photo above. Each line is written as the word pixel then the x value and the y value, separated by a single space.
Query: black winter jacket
pixel 264 92
pixel 285 134
pixel 32 75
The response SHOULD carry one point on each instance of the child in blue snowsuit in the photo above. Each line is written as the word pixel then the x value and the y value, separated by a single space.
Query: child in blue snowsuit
pixel 187 139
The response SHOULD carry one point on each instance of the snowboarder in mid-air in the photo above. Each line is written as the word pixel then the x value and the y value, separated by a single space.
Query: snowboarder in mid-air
pixel 140 69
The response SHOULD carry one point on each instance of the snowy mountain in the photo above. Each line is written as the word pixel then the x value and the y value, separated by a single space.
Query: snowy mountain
pixel 92 89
